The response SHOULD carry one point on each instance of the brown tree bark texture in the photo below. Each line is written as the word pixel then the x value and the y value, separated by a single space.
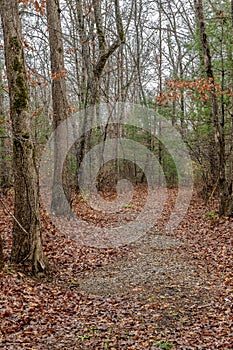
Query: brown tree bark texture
pixel 225 189
pixel 27 242
pixel 59 206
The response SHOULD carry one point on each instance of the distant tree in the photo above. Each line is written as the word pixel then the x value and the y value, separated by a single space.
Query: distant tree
pixel 60 107
pixel 95 65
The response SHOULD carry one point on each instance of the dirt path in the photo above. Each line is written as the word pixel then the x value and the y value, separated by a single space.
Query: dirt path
pixel 156 262
pixel 159 292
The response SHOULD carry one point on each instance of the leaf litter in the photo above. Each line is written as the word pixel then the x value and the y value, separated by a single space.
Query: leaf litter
pixel 159 292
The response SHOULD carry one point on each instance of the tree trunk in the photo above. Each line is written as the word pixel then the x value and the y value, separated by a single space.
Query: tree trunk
pixel 27 242
pixel 1 255
pixel 225 196
pixel 94 67
pixel 60 110
pixel 5 165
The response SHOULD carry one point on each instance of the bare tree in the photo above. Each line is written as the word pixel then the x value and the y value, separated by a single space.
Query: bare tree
pixel 95 65
pixel 60 108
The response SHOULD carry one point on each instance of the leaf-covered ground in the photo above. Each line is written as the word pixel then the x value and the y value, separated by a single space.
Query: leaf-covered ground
pixel 160 292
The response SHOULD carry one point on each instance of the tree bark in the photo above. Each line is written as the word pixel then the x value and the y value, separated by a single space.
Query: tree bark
pixel 95 70
pixel 5 167
pixel 225 191
pixel 95 66
pixel 27 241
pixel 60 110
pixel 1 255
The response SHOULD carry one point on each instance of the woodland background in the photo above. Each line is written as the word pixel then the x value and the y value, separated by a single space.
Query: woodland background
pixel 57 58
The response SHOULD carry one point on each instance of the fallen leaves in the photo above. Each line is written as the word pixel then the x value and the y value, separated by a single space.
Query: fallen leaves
pixel 186 305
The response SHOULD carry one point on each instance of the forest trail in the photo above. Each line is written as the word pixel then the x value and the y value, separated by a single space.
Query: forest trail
pixel 158 292
pixel 153 264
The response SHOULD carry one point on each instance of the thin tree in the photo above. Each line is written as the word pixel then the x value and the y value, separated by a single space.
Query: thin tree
pixel 2 150
pixel 60 107
pixel 1 255
pixel 27 240
pixel 5 144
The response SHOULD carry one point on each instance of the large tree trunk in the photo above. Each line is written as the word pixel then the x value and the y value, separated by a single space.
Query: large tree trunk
pixel 27 242
pixel 225 189
pixel 60 109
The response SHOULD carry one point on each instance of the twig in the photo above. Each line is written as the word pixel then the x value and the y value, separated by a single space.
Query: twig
pixel 12 215
pixel 212 193
pixel 22 228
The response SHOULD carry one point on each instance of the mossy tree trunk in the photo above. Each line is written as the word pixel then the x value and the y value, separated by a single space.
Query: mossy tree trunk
pixel 224 184
pixel 27 242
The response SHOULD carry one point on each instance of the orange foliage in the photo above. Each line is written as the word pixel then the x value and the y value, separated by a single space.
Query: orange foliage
pixel 70 50
pixel 59 75
pixel 72 109
pixel 40 80
pixel 38 5
pixel 200 89
pixel 37 112
pixel 27 46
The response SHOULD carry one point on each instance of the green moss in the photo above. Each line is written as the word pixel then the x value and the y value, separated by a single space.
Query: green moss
pixel 15 44
pixel 17 66
pixel 26 136
pixel 21 91
pixel 16 144
pixel 21 95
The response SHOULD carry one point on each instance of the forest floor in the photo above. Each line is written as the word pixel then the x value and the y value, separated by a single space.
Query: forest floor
pixel 160 292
